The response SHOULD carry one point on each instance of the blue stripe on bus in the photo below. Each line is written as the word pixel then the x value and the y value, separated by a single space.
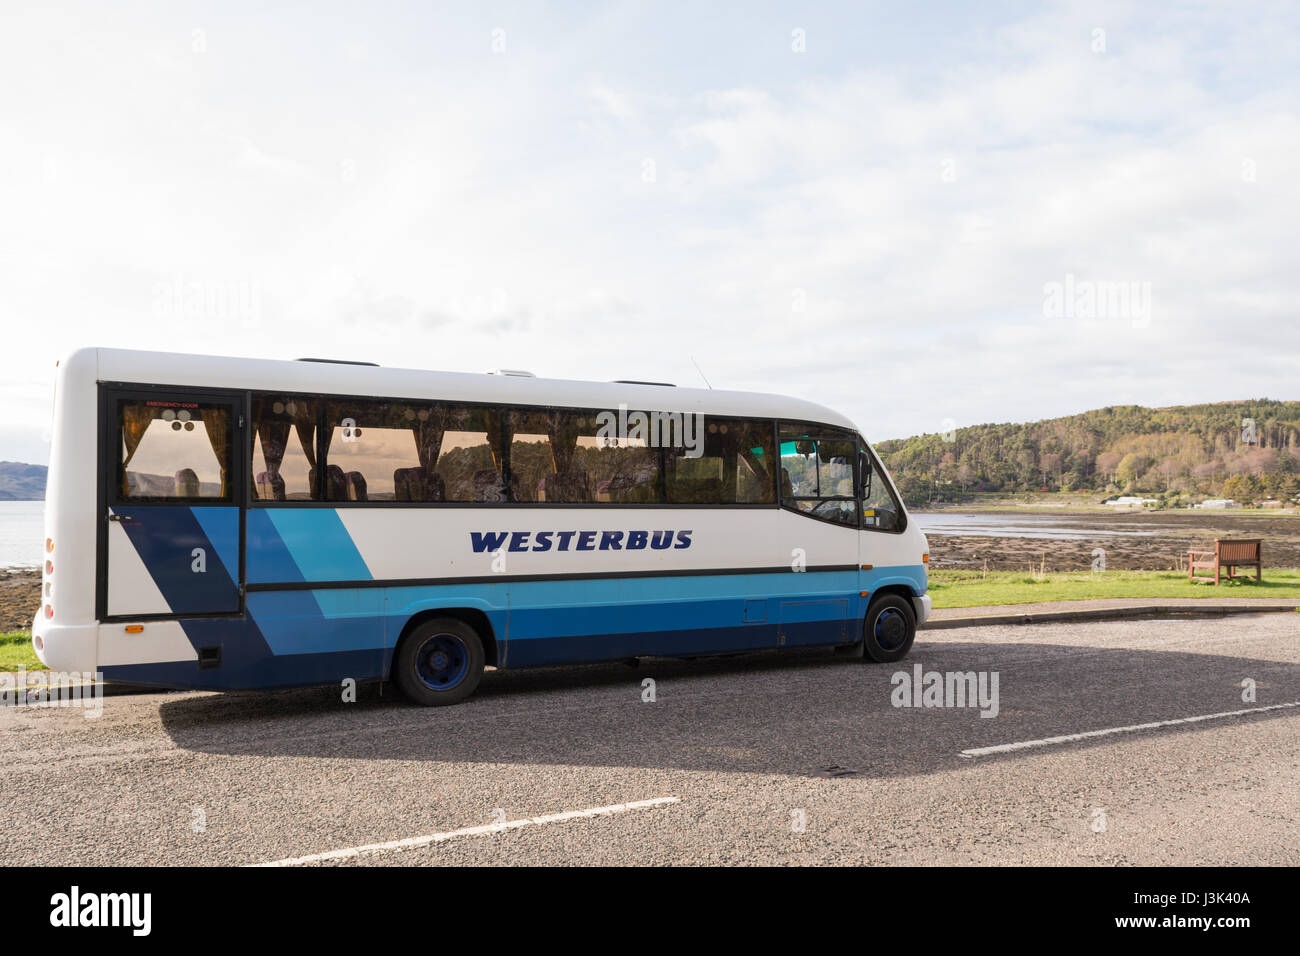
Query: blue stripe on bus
pixel 291 670
pixel 319 544
pixel 302 637
pixel 600 592
pixel 221 525
pixel 300 622
pixel 584 608
pixel 294 622
pixel 550 651
pixel 266 558
pixel 165 538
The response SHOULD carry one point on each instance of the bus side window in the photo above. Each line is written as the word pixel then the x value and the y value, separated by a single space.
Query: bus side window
pixel 468 465
pixel 729 462
pixel 379 450
pixel 618 469
pixel 173 451
pixel 880 510
pixel 283 464
pixel 533 455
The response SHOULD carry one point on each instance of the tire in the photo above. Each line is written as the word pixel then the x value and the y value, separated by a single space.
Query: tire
pixel 889 629
pixel 440 662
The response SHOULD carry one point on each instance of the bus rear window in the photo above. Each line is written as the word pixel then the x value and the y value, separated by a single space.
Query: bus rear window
pixel 173 450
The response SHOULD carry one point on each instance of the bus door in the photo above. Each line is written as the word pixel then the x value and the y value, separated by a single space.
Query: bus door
pixel 171 531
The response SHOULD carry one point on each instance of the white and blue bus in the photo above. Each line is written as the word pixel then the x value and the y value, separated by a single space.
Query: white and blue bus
pixel 225 523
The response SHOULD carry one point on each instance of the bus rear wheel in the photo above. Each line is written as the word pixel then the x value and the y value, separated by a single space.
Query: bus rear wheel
pixel 889 629
pixel 439 662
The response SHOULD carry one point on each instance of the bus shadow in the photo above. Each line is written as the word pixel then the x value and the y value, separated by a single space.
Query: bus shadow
pixel 797 713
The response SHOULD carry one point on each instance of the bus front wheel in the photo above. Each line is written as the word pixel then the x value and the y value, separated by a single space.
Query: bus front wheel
pixel 440 662
pixel 889 629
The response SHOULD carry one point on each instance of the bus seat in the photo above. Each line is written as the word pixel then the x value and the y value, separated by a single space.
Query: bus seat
pixel 696 490
pixel 270 487
pixel 618 488
pixel 187 483
pixel 406 484
pixel 571 487
pixel 356 486
pixel 787 486
pixel 336 484
pixel 488 486
pixel 416 484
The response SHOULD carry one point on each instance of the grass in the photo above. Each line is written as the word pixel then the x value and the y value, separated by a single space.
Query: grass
pixel 16 651
pixel 952 588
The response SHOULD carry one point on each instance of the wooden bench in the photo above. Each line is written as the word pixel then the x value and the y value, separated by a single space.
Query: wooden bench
pixel 1231 553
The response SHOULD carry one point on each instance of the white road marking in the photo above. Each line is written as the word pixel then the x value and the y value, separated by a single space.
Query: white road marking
pixel 1089 734
pixel 431 838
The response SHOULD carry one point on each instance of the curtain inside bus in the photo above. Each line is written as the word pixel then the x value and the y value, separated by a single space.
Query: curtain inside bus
pixel 216 422
pixel 135 421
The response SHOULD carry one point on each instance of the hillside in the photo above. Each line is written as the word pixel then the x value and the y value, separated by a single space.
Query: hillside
pixel 21 482
pixel 1248 450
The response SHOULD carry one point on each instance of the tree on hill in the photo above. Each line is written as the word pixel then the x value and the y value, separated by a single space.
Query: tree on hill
pixel 1193 449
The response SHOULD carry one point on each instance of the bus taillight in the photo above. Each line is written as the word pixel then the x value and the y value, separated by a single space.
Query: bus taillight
pixel 49 611
pixel 49 545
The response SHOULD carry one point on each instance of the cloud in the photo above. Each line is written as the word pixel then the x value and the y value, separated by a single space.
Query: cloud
pixel 616 104
pixel 870 224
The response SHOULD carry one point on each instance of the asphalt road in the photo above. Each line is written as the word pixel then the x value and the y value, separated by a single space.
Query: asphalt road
pixel 735 751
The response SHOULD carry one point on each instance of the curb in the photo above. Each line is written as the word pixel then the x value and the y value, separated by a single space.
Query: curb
pixel 1107 614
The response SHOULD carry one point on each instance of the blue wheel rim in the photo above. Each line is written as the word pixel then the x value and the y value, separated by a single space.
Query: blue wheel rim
pixel 890 629
pixel 442 662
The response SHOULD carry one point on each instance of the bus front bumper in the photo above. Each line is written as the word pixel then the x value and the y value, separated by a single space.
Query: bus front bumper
pixel 922 605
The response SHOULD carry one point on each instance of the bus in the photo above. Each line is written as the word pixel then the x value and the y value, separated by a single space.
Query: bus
pixel 231 524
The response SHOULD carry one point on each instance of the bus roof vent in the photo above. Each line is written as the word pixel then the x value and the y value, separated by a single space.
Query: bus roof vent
pixel 338 362
pixel 632 381
pixel 515 372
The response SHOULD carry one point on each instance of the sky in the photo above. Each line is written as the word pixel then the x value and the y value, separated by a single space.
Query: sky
pixel 922 215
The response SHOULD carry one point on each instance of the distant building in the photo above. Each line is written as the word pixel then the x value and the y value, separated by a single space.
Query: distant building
pixel 1132 501
pixel 1218 504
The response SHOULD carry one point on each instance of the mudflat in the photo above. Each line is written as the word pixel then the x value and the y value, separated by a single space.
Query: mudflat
pixel 1132 540
pixel 20 598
